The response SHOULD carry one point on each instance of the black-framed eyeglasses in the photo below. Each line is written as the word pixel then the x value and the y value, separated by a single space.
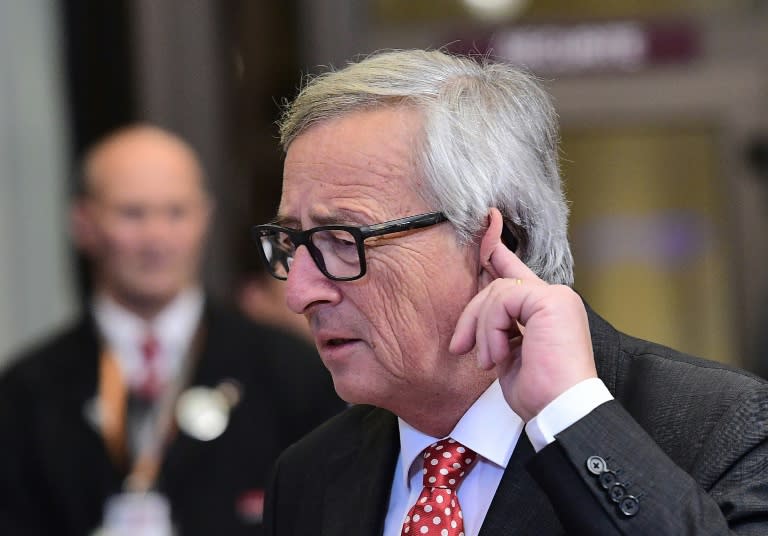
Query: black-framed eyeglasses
pixel 338 250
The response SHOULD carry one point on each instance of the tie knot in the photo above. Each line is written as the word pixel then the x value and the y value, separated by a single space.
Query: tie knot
pixel 149 347
pixel 445 463
pixel 151 385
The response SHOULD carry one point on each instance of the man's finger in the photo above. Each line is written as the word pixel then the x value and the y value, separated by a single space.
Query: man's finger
pixel 484 311
pixel 496 258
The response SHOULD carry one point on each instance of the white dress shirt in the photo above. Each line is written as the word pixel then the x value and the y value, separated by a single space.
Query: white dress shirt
pixel 174 328
pixel 491 429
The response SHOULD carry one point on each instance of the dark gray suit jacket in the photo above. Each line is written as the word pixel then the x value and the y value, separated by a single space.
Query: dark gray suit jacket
pixel 684 436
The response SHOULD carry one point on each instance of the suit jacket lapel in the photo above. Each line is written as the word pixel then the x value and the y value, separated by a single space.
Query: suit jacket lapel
pixel 605 346
pixel 519 506
pixel 183 451
pixel 72 427
pixel 360 478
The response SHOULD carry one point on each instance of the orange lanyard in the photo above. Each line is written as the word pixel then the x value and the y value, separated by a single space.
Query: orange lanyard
pixel 113 399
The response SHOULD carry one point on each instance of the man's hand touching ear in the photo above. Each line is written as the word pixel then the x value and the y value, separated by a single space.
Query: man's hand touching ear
pixel 535 334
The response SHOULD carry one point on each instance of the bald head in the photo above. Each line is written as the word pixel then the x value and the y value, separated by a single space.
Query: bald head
pixel 142 216
pixel 137 149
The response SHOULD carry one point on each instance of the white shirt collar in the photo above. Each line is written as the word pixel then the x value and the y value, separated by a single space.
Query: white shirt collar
pixel 489 427
pixel 174 327
pixel 176 324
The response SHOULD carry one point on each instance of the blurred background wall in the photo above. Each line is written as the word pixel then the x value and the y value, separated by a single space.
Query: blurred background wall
pixel 664 108
pixel 36 289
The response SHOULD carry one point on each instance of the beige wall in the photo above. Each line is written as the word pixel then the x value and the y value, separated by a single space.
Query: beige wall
pixel 650 235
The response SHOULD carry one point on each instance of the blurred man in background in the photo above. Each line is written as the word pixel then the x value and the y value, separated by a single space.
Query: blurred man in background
pixel 158 408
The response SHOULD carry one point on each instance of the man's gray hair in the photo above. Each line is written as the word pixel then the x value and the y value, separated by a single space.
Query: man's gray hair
pixel 490 139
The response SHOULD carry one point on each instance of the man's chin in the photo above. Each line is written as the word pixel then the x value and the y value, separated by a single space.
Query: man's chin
pixel 149 298
pixel 352 394
pixel 353 387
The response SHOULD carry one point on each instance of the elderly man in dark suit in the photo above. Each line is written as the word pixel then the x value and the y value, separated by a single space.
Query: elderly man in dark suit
pixel 422 231
pixel 158 410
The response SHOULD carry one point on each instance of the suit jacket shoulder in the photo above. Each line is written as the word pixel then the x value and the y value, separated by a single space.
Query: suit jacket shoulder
pixel 667 391
pixel 61 359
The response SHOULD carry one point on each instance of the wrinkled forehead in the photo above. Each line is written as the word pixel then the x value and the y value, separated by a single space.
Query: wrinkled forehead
pixel 360 165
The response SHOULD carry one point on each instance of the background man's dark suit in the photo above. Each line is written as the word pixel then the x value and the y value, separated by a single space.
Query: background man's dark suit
pixel 686 435
pixel 55 473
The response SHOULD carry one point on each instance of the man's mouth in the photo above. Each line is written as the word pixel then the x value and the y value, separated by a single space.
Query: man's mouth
pixel 332 339
pixel 339 342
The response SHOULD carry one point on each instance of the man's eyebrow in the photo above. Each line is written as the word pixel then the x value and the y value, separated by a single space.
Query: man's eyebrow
pixel 340 217
pixel 285 221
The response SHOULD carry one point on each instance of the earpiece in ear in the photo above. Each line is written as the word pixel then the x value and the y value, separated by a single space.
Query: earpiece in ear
pixel 508 237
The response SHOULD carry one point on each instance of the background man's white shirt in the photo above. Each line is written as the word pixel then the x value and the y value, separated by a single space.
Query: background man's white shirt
pixel 174 328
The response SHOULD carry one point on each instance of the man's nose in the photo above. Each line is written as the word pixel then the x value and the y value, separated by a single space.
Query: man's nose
pixel 306 286
pixel 157 226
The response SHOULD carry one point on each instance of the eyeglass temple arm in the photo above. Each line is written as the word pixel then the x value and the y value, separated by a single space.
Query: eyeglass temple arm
pixel 404 224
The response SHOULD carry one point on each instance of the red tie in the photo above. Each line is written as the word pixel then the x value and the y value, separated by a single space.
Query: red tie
pixel 437 510
pixel 150 387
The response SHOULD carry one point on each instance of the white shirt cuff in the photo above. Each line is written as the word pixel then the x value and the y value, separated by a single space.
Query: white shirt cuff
pixel 566 409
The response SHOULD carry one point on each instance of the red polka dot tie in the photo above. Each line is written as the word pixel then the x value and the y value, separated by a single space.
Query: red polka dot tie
pixel 437 511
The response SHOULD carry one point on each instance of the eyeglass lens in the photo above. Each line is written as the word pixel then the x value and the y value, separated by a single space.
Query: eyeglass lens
pixel 333 250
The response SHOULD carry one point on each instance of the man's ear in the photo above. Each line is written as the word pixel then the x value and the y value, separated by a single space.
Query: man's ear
pixel 489 242
pixel 81 225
